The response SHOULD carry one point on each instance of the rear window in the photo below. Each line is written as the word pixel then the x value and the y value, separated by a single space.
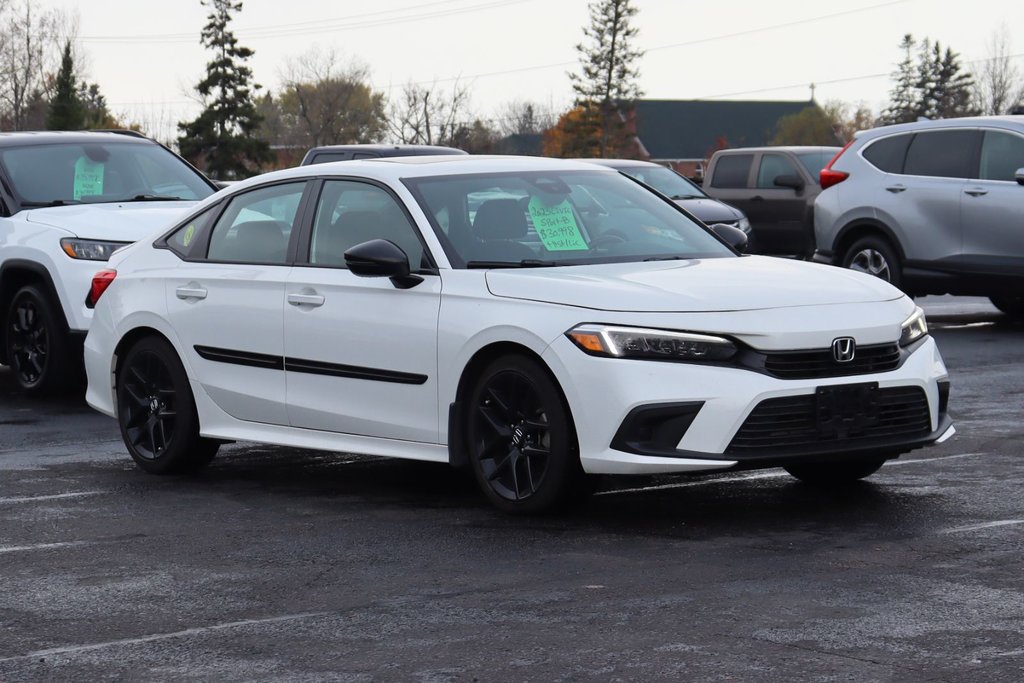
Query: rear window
pixel 940 153
pixel 888 154
pixel 1001 155
pixel 732 170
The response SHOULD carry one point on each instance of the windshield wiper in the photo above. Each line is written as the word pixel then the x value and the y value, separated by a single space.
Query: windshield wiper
pixel 525 263
pixel 667 258
pixel 149 198
pixel 55 202
pixel 685 196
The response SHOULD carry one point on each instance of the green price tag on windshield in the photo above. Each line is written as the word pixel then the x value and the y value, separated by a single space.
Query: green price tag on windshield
pixel 88 178
pixel 556 226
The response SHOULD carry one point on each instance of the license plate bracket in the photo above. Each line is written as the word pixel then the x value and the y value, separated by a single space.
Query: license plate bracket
pixel 846 410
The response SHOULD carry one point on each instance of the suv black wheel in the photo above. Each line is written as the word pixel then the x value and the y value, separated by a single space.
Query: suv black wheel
pixel 521 438
pixel 37 345
pixel 157 412
pixel 834 473
pixel 1009 304
pixel 874 256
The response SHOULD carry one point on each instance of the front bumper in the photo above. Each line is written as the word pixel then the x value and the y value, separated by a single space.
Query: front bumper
pixel 602 393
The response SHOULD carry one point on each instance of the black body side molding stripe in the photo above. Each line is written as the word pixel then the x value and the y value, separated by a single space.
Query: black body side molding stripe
pixel 311 367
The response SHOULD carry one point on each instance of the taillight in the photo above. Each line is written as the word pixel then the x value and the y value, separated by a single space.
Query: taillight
pixel 100 282
pixel 827 178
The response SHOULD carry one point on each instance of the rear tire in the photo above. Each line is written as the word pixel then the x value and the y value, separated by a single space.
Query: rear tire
pixel 38 347
pixel 520 438
pixel 157 412
pixel 1009 304
pixel 875 256
pixel 834 474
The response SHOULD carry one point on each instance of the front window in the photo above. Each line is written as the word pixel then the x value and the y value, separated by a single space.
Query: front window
pixel 772 166
pixel 816 160
pixel 96 172
pixel 665 181
pixel 542 218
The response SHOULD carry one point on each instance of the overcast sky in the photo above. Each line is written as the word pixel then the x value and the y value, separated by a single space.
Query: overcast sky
pixel 145 54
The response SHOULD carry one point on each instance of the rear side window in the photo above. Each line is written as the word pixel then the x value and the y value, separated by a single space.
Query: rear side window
pixel 888 154
pixel 1001 155
pixel 184 240
pixel 256 226
pixel 941 153
pixel 732 170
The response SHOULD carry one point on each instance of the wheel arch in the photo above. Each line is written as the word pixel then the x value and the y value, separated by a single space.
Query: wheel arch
pixel 457 455
pixel 127 340
pixel 864 227
pixel 15 274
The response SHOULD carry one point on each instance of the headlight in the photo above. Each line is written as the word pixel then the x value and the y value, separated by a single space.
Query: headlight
pixel 913 328
pixel 638 342
pixel 90 250
pixel 744 224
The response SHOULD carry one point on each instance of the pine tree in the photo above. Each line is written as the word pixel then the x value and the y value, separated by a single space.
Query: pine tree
pixel 224 135
pixel 65 111
pixel 606 85
pixel 903 96
pixel 955 97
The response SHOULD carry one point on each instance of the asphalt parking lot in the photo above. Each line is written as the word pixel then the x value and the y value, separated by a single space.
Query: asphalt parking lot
pixel 279 564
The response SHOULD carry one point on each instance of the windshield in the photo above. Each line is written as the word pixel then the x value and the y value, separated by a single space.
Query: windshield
pixel 83 173
pixel 815 161
pixel 530 219
pixel 665 181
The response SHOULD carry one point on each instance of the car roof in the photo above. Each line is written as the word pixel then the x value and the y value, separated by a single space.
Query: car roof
pixel 1009 121
pixel 794 149
pixel 50 137
pixel 619 163
pixel 389 149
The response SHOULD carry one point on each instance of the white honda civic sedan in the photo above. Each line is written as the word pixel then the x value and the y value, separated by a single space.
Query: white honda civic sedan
pixel 535 320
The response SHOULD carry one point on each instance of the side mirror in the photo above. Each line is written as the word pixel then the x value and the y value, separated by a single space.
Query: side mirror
pixel 1019 175
pixel 791 181
pixel 381 258
pixel 733 236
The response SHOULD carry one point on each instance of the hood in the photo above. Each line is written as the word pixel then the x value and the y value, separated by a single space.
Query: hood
pixel 125 222
pixel 696 285
pixel 710 211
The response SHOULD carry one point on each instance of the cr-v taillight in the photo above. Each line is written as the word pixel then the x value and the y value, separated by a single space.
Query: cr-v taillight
pixel 827 178
pixel 100 282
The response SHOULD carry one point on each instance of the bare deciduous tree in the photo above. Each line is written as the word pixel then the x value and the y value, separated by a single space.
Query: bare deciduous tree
pixel 428 116
pixel 30 47
pixel 998 85
pixel 521 117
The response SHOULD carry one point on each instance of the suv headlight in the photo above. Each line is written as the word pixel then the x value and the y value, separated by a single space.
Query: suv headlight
pixel 913 328
pixel 639 342
pixel 90 250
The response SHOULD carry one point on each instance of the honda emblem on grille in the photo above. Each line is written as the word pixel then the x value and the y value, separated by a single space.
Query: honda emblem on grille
pixel 844 349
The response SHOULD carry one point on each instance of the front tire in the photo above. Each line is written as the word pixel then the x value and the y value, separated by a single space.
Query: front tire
pixel 521 439
pixel 834 474
pixel 875 256
pixel 157 412
pixel 1011 305
pixel 38 347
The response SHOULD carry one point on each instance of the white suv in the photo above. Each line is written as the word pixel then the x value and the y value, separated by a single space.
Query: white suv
pixel 67 201
pixel 933 207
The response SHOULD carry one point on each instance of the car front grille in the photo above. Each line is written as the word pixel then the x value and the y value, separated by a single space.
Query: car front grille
pixel 792 422
pixel 818 363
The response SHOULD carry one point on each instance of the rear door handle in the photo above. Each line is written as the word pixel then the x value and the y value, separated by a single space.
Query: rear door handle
pixel 896 189
pixel 976 192
pixel 313 300
pixel 191 291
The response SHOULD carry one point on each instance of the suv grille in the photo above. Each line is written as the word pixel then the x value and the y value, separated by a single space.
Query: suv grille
pixel 820 363
pixel 791 421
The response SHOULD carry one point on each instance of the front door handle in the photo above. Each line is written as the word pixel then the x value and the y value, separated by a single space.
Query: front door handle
pixel 976 192
pixel 191 291
pixel 896 189
pixel 306 299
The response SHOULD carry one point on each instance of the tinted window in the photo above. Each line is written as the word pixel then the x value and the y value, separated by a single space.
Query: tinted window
pixel 256 225
pixel 328 157
pixel 350 213
pixel 941 153
pixel 888 154
pixel 732 170
pixel 665 181
pixel 815 161
pixel 185 238
pixel 1001 155
pixel 772 166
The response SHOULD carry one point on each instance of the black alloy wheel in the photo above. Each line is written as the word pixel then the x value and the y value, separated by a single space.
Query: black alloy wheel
pixel 37 345
pixel 1010 304
pixel 521 439
pixel 156 411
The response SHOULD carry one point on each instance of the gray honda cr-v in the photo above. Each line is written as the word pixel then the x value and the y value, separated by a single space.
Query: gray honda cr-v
pixel 934 207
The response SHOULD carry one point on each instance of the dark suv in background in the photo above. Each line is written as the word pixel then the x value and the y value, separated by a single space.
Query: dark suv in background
pixel 775 187
pixel 329 153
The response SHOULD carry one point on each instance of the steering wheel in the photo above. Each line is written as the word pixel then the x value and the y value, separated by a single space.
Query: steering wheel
pixel 609 238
